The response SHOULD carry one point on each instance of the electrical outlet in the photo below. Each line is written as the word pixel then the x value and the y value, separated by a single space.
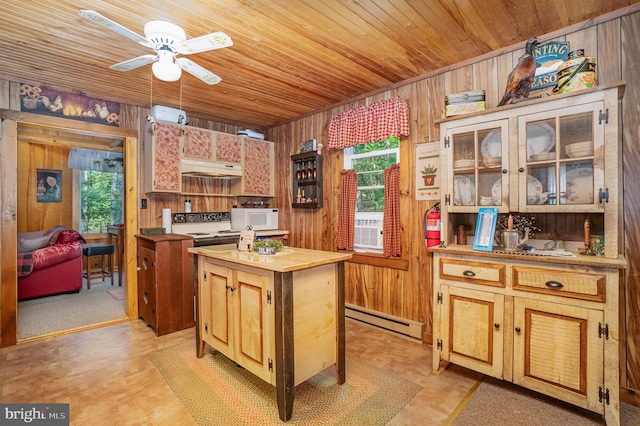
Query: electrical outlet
pixel 143 203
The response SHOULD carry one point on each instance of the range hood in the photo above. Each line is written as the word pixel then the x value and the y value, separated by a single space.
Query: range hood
pixel 212 169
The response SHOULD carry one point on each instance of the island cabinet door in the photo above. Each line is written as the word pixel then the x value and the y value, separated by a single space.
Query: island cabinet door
pixel 216 307
pixel 254 323
pixel 473 329
pixel 558 351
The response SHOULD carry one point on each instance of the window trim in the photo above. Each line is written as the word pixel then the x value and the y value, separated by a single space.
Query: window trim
pixel 348 157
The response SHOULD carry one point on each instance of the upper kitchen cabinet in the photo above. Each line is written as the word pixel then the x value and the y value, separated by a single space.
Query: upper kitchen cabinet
pixel 198 143
pixel 555 154
pixel 228 148
pixel 167 144
pixel 258 169
pixel 162 153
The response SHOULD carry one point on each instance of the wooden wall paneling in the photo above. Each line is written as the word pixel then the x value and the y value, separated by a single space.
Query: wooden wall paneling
pixel 8 230
pixel 34 215
pixel 435 105
pixel 4 94
pixel 586 39
pixel 630 26
pixel 609 59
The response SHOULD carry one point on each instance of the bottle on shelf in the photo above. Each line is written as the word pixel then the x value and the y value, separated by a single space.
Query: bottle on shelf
pixel 298 172
pixel 299 196
pixel 303 199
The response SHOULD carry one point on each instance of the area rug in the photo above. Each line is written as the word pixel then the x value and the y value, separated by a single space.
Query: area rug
pixel 118 294
pixel 496 402
pixel 218 392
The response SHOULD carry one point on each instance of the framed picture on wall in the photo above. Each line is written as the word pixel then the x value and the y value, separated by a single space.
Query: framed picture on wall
pixel 49 185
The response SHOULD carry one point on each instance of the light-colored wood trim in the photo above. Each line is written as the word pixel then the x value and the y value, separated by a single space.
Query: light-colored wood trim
pixel 8 236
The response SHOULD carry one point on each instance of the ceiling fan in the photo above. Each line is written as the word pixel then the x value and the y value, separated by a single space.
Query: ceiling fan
pixel 168 40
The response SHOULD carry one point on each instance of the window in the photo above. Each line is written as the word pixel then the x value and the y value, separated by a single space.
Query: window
pixel 101 200
pixel 369 161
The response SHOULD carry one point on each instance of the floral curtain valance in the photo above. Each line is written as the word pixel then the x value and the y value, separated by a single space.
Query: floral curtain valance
pixel 365 124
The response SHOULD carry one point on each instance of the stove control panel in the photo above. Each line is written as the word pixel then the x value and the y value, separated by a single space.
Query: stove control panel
pixel 201 217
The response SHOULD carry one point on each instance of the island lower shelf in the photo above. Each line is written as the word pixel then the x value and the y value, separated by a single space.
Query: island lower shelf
pixel 279 316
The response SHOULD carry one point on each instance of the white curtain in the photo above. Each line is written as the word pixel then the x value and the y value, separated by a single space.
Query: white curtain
pixel 95 160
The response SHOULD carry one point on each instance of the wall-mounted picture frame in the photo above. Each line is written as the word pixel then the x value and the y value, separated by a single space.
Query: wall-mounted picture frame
pixel 485 228
pixel 308 145
pixel 49 186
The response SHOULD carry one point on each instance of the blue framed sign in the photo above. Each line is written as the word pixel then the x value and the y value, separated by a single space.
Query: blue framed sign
pixel 485 228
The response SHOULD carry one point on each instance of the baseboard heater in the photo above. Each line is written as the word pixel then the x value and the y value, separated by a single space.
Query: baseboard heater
pixel 388 322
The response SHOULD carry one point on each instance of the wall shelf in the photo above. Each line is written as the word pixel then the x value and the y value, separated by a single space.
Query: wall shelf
pixel 306 175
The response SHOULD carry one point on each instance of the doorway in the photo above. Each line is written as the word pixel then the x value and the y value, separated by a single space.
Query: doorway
pixel 16 126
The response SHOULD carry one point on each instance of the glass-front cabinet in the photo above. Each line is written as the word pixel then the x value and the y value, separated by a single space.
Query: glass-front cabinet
pixel 553 155
pixel 560 153
pixel 479 155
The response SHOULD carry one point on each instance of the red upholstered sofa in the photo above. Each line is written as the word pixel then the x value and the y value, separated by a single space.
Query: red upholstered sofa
pixel 49 262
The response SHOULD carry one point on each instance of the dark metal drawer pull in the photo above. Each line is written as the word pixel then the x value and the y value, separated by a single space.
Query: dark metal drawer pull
pixel 554 285
pixel 469 274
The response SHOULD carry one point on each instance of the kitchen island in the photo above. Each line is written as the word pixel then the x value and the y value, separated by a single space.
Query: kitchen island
pixel 279 316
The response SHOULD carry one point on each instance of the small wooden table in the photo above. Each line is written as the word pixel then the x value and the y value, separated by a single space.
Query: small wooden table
pixel 118 231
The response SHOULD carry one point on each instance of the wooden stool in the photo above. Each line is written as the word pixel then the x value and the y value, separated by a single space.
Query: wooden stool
pixel 98 249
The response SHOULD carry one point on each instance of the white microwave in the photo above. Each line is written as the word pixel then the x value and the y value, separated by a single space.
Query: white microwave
pixel 257 218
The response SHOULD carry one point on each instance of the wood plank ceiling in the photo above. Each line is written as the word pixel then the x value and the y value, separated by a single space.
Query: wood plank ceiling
pixel 289 58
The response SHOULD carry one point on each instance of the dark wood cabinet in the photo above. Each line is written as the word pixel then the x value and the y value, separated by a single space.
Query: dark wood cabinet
pixel 307 180
pixel 165 282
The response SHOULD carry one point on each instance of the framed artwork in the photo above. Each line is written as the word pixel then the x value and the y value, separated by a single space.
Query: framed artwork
pixel 49 185
pixel 427 175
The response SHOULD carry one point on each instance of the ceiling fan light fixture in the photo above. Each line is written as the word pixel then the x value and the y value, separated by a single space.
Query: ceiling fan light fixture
pixel 165 69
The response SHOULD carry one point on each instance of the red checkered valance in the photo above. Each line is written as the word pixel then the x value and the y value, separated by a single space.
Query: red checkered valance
pixel 365 124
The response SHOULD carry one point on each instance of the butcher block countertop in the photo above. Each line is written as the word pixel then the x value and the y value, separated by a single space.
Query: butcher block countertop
pixel 286 260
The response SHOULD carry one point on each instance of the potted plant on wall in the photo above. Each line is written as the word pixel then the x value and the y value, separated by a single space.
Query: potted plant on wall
pixel 429 175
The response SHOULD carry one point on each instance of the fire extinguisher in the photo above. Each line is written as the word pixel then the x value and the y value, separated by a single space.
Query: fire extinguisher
pixel 432 224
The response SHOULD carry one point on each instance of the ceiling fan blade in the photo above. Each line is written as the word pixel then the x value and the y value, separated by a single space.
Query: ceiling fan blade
pixel 113 26
pixel 134 63
pixel 211 41
pixel 198 71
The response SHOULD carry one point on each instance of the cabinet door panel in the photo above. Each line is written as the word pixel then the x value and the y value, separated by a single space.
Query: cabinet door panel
pixel 198 143
pixel 557 351
pixel 472 323
pixel 220 282
pixel 253 336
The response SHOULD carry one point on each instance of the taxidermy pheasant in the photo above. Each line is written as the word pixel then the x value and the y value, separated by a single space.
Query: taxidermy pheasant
pixel 520 79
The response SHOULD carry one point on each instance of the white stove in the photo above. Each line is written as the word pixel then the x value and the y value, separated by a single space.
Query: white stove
pixel 211 228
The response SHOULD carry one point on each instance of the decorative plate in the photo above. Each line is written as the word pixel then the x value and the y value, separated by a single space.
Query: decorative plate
pixel 540 138
pixel 534 188
pixel 464 191
pixel 496 191
pixel 579 186
pixel 490 146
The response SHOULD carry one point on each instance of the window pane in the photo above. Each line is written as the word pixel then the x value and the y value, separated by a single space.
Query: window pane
pixel 374 162
pixel 101 200
pixel 370 200
pixel 371 179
